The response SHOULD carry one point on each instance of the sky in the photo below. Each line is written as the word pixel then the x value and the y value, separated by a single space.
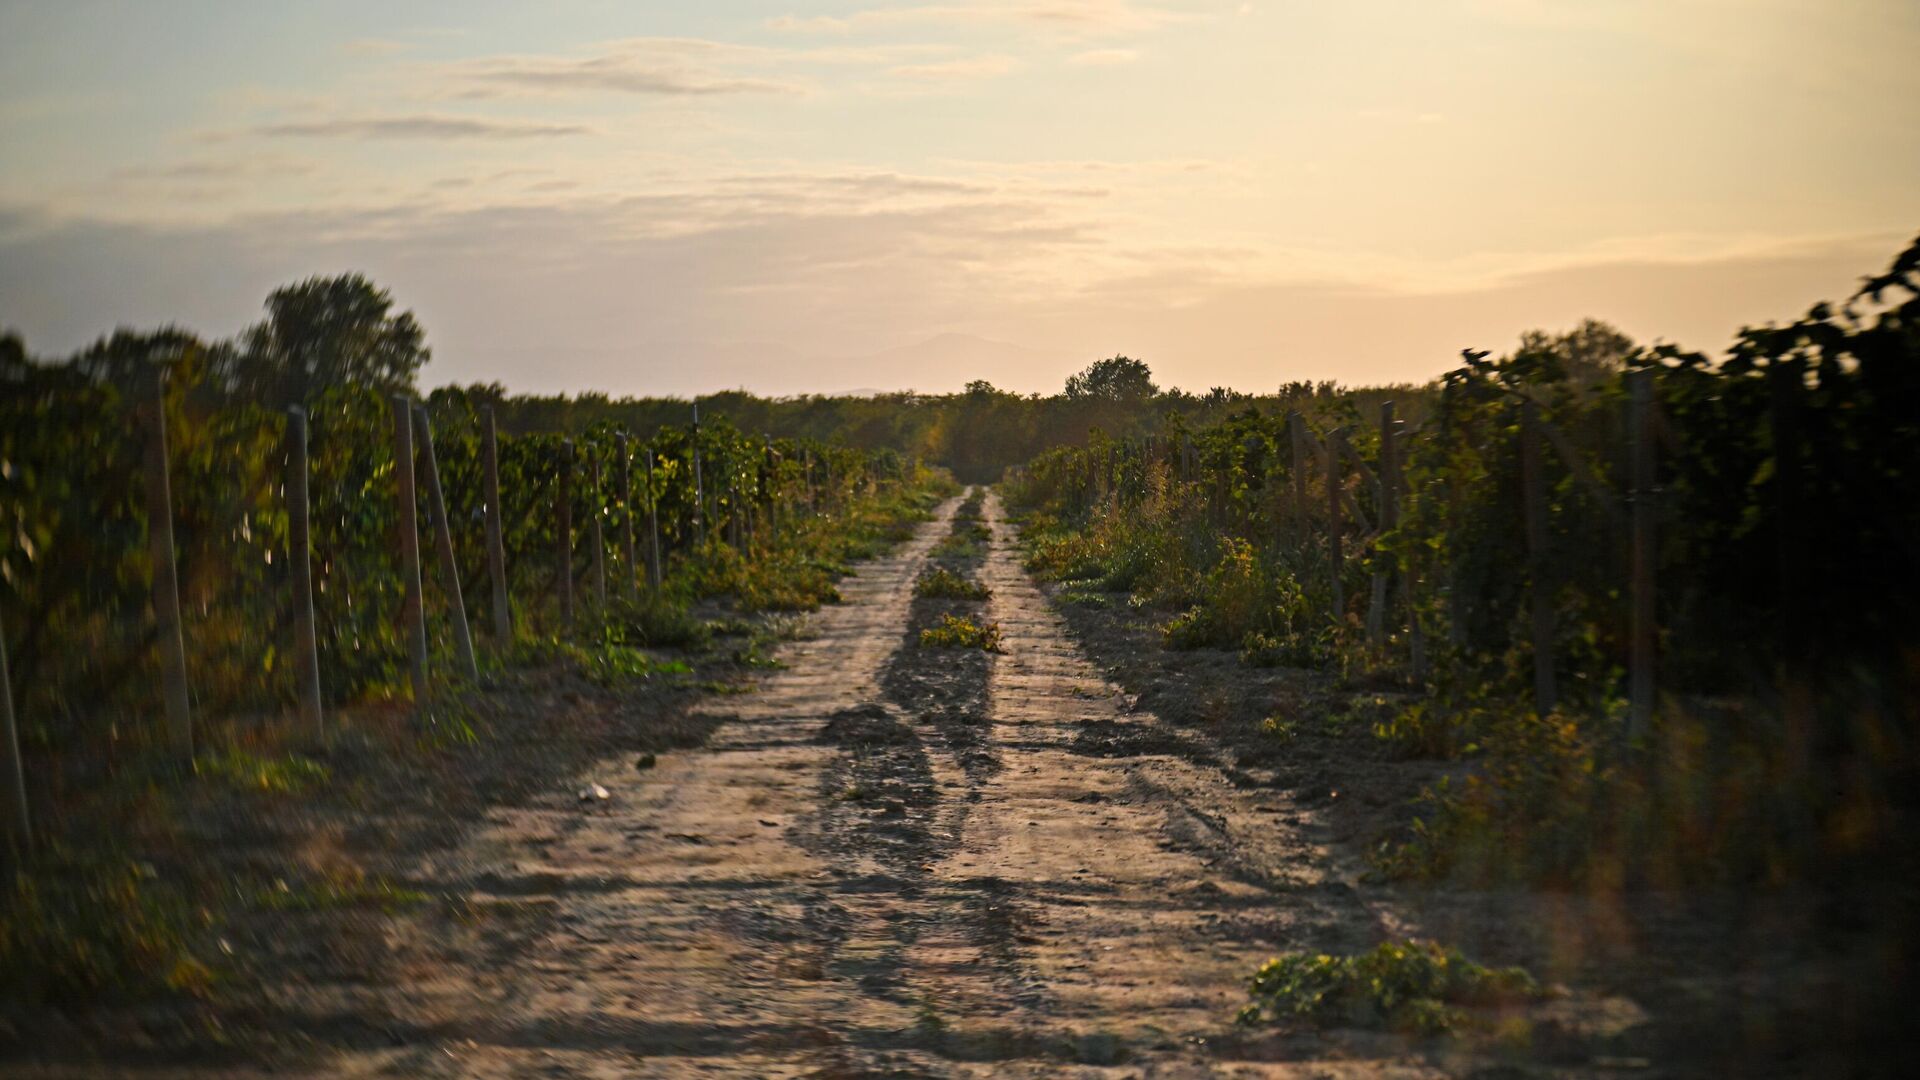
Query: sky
pixel 654 198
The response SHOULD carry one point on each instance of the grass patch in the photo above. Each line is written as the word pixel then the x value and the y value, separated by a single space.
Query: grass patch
pixel 941 583
pixel 243 770
pixel 1414 987
pixel 1084 598
pixel 960 632
pixel 607 664
pixel 1283 730
pixel 334 893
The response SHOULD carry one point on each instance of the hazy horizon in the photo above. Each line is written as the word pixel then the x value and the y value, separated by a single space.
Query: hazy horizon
pixel 794 199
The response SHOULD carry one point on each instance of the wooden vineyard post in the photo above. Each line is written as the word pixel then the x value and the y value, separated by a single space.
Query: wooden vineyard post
pixel 699 486
pixel 496 544
pixel 630 576
pixel 166 583
pixel 729 493
pixel 1296 429
pixel 1335 562
pixel 1377 599
pixel 563 533
pixel 1410 575
pixel 19 828
pixel 653 530
pixel 1786 384
pixel 443 540
pixel 1534 487
pixel 413 617
pixel 1640 656
pixel 772 494
pixel 596 534
pixel 306 645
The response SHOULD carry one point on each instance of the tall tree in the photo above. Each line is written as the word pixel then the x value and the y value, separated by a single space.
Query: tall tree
pixel 1117 379
pixel 329 331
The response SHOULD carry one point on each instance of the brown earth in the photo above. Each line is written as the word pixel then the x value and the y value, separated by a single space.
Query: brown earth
pixel 896 861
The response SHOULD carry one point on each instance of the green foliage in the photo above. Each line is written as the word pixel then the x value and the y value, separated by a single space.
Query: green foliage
pixel 288 774
pixel 1783 559
pixel 961 632
pixel 655 620
pixel 99 927
pixel 776 522
pixel 606 662
pixel 941 583
pixel 1414 987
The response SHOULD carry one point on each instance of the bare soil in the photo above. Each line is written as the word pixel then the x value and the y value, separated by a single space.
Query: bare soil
pixel 896 861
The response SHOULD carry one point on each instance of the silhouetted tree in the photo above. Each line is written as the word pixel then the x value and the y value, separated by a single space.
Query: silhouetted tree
pixel 1118 379
pixel 329 331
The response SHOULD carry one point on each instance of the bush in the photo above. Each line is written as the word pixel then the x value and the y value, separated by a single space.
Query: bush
pixel 942 584
pixel 1414 987
pixel 655 620
pixel 961 633
pixel 80 931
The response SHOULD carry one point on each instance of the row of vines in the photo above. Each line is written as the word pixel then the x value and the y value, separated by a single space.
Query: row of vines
pixel 1527 541
pixel 705 506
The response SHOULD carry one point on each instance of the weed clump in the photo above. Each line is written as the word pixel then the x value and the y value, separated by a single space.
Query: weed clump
pixel 606 663
pixel 943 584
pixel 100 927
pixel 960 632
pixel 1413 987
pixel 288 774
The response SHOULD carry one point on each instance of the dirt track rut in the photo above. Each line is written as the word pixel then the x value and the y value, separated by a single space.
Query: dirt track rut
pixel 887 862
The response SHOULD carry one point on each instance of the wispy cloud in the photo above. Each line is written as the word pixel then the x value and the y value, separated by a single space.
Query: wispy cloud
pixel 203 169
pixel 622 73
pixel 411 127
pixel 1070 16
pixel 973 67
pixel 1104 57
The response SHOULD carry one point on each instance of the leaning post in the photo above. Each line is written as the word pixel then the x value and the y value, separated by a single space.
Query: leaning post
pixel 413 617
pixel 443 539
pixel 306 645
pixel 19 829
pixel 166 583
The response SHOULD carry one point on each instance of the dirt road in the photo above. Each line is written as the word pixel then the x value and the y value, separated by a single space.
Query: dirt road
pixel 888 861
